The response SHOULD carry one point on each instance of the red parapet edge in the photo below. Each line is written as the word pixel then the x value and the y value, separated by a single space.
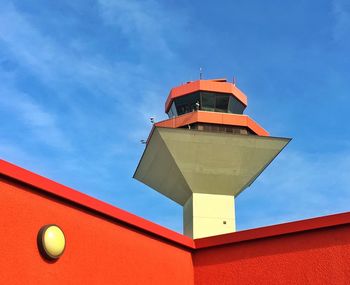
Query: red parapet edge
pixel 275 230
pixel 49 186
pixel 75 197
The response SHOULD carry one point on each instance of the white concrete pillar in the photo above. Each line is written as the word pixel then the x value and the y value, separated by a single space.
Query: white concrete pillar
pixel 208 215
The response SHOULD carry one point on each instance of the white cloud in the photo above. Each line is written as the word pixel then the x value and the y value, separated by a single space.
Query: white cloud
pixel 41 123
pixel 296 186
pixel 60 69
pixel 54 63
pixel 57 65
pixel 24 41
pixel 144 22
pixel 341 12
pixel 13 153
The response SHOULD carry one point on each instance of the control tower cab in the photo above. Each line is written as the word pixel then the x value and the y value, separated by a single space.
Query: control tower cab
pixel 206 154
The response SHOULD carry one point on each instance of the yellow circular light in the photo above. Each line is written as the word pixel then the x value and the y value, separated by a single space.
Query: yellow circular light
pixel 52 241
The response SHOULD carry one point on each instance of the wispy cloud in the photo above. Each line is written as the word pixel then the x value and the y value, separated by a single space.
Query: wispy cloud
pixel 92 104
pixel 56 63
pixel 341 11
pixel 13 153
pixel 297 185
pixel 66 66
pixel 40 123
pixel 62 71
pixel 79 93
pixel 144 23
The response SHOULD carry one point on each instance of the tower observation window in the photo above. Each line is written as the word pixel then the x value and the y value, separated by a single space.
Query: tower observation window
pixel 206 101
pixel 235 106
pixel 220 102
pixel 187 104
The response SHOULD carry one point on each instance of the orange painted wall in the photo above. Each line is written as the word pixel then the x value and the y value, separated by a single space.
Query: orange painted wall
pixel 314 257
pixel 103 250
pixel 98 251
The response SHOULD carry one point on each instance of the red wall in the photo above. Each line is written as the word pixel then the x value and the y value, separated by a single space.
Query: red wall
pixel 106 251
pixel 314 257
pixel 98 251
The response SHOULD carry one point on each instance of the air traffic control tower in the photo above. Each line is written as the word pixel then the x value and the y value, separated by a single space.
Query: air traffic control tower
pixel 206 154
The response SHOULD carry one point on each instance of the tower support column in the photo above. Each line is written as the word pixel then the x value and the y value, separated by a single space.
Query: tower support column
pixel 208 215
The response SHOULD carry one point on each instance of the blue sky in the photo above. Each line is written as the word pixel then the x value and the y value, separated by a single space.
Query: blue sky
pixel 79 80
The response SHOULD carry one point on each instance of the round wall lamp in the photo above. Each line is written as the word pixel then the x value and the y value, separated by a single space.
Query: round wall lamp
pixel 51 241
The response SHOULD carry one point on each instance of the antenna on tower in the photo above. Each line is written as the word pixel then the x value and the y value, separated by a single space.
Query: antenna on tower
pixel 200 73
pixel 234 80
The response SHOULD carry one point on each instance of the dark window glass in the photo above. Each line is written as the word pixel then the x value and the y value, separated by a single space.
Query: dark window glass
pixel 186 103
pixel 235 106
pixel 170 114
pixel 207 101
pixel 173 109
pixel 221 103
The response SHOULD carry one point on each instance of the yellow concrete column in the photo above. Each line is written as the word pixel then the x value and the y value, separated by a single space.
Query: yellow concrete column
pixel 209 215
